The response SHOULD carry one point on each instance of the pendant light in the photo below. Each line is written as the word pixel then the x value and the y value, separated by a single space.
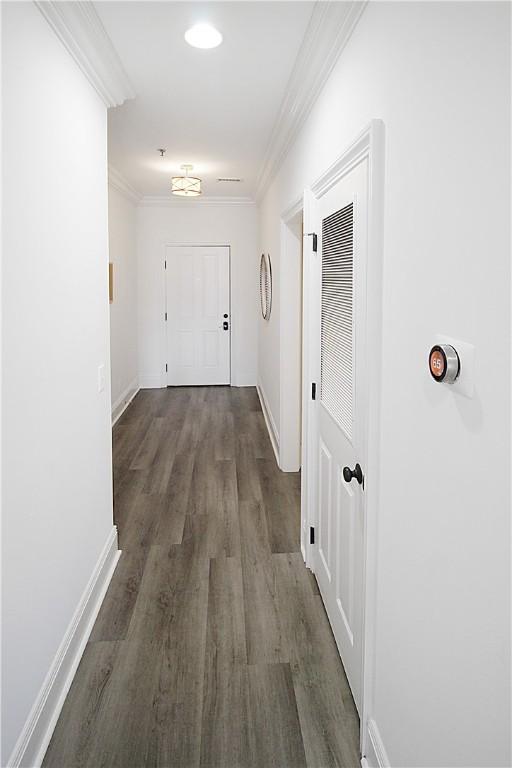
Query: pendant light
pixel 186 186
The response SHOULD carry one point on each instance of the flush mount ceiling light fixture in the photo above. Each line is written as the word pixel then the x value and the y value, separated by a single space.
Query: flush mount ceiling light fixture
pixel 186 186
pixel 203 36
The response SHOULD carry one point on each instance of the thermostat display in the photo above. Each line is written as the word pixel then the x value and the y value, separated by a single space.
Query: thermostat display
pixel 444 363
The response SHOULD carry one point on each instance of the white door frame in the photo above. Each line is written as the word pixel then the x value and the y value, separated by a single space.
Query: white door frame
pixel 290 334
pixel 370 145
pixel 230 310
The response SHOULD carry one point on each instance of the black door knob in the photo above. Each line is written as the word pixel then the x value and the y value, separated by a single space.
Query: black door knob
pixel 225 315
pixel 350 474
pixel 225 325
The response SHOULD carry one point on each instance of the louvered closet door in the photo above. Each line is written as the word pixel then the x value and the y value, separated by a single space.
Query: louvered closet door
pixel 342 225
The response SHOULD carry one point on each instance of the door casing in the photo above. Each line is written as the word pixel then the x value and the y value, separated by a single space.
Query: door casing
pixel 290 333
pixel 370 145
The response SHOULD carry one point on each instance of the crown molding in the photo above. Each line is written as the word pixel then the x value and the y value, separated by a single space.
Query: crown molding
pixel 353 155
pixel 163 201
pixel 79 28
pixel 327 34
pixel 293 210
pixel 117 181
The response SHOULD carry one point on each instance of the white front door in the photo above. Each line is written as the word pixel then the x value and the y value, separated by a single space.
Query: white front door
pixel 198 315
pixel 341 215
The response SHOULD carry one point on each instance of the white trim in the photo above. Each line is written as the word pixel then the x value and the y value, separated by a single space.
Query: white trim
pixel 152 380
pixel 370 144
pixel 38 729
pixel 310 374
pixel 353 155
pixel 117 181
pixel 169 201
pixel 269 421
pixel 241 386
pixel 124 400
pixel 79 28
pixel 290 269
pixel 375 755
pixel 292 210
pixel 374 135
pixel 330 28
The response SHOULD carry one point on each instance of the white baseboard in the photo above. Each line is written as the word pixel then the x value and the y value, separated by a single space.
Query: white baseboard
pixel 38 729
pixel 375 756
pixel 152 381
pixel 124 400
pixel 269 421
pixel 243 384
pixel 155 381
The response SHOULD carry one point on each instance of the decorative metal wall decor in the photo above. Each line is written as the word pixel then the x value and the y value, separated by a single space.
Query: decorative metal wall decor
pixel 266 285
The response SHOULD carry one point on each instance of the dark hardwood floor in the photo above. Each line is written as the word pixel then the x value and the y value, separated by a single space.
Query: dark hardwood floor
pixel 212 647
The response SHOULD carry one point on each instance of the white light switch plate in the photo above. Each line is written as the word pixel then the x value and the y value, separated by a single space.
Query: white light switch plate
pixel 465 382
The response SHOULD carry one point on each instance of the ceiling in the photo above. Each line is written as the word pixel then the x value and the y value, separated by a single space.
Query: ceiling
pixel 213 108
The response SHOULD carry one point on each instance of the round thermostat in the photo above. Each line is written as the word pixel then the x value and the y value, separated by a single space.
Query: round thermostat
pixel 444 363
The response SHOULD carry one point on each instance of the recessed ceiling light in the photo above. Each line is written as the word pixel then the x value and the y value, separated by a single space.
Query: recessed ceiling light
pixel 203 36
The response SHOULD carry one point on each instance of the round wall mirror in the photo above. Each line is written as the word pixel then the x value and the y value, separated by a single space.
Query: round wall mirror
pixel 265 285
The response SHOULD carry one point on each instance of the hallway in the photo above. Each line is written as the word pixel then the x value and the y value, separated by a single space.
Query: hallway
pixel 212 646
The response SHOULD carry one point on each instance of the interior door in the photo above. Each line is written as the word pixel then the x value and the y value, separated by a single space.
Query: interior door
pixel 341 413
pixel 198 315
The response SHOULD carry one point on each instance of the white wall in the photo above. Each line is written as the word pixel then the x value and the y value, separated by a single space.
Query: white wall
pixel 195 222
pixel 123 310
pixel 437 74
pixel 57 507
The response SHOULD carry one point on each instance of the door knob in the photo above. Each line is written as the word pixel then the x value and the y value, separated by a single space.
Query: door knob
pixel 225 325
pixel 350 474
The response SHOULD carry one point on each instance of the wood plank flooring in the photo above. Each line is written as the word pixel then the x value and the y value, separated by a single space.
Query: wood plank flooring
pixel 212 647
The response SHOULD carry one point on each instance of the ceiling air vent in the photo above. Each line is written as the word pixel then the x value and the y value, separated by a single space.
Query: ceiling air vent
pixel 229 178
